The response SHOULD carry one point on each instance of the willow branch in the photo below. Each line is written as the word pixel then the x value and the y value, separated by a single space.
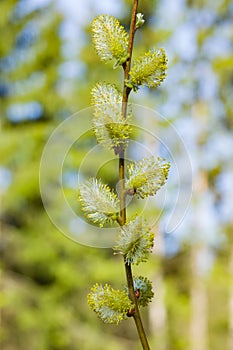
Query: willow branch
pixel 122 221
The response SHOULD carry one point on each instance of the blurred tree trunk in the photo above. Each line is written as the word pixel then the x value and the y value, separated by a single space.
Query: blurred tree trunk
pixel 158 309
pixel 158 313
pixel 230 339
pixel 198 291
pixel 199 301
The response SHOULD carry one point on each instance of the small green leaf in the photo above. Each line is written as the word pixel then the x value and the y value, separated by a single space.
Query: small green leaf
pixel 139 20
pixel 147 176
pixel 111 305
pixel 135 241
pixel 144 288
pixel 110 128
pixel 110 39
pixel 99 204
pixel 149 69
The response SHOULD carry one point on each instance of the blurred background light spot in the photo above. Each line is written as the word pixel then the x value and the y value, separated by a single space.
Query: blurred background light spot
pixel 5 179
pixel 19 112
pixel 71 69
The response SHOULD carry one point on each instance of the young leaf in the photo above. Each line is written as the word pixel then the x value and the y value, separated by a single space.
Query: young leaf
pixel 149 69
pixel 135 241
pixel 143 287
pixel 110 305
pixel 110 39
pixel 147 176
pixel 98 202
pixel 111 129
pixel 139 20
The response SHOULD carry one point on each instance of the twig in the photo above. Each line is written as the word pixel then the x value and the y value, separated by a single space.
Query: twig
pixel 122 221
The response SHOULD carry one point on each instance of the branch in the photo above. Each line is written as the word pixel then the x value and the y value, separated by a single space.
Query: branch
pixel 122 221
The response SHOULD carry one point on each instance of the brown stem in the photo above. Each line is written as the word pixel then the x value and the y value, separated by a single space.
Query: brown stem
pixel 122 221
pixel 126 90
pixel 136 315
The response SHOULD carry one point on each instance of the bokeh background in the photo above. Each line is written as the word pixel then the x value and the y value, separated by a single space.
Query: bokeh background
pixel 47 68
